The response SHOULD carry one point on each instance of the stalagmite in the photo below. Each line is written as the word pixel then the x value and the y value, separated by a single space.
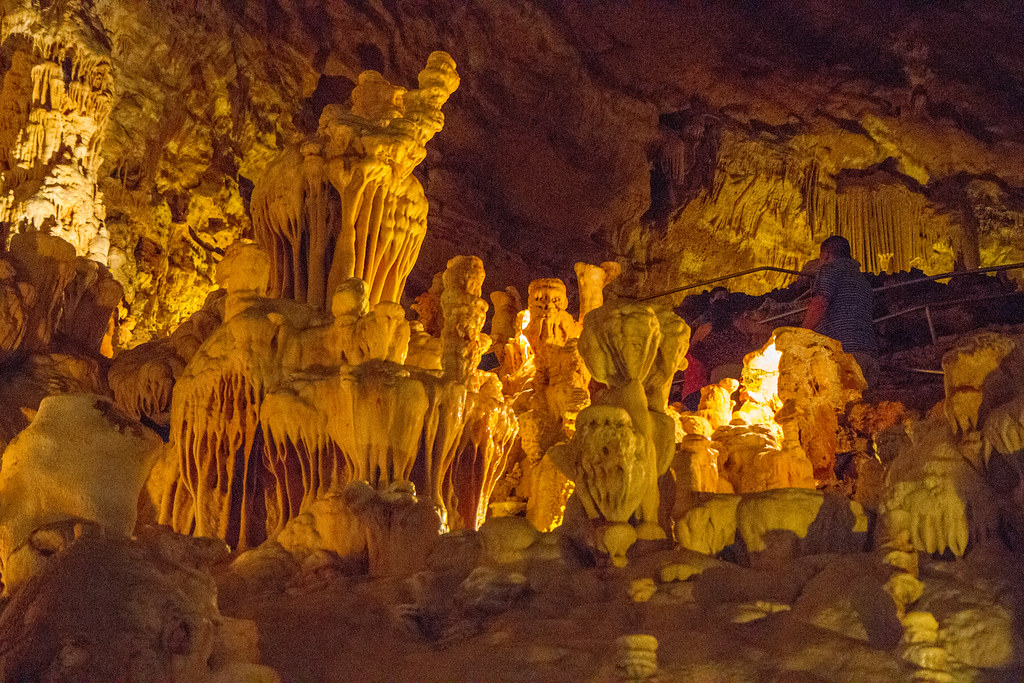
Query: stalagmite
pixel 557 393
pixel 345 204
pixel 628 440
pixel 592 281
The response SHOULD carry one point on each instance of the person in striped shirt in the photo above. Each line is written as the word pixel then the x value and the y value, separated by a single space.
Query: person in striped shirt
pixel 842 305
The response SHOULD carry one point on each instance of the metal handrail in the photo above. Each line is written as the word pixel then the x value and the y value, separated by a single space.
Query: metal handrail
pixel 988 269
pixel 893 285
pixel 720 279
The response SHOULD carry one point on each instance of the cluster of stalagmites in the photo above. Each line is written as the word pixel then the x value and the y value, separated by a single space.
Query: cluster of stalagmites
pixel 282 406
pixel 356 438
pixel 310 424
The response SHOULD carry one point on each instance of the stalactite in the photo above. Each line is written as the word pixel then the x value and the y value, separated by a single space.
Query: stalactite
pixel 57 99
pixel 890 227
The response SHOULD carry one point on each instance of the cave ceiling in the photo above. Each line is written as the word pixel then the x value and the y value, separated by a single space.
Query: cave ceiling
pixel 686 140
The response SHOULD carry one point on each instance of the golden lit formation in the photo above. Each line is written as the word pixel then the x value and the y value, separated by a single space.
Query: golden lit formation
pixel 253 428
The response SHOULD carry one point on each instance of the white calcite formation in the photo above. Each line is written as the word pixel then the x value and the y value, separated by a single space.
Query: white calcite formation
pixel 625 440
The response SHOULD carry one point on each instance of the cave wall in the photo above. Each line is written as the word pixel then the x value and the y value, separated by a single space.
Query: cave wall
pixel 687 141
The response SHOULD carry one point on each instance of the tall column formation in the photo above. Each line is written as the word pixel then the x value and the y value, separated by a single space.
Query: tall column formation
pixel 54 104
pixel 344 203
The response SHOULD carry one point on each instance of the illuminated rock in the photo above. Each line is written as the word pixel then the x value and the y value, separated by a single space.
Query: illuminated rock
pixel 804 381
pixel 716 404
pixel 428 306
pixel 624 441
pixel 549 321
pixel 79 461
pixel 50 297
pixel 1004 427
pixel 608 459
pixel 507 305
pixel 400 529
pixel 975 381
pixel 934 498
pixel 545 358
pixel 697 467
pixel 58 95
pixel 345 203
pixel 774 525
pixel 280 407
pixel 751 460
pixel 709 526
pixel 463 342
pixel 592 280
pixel 636 656
pixel 143 378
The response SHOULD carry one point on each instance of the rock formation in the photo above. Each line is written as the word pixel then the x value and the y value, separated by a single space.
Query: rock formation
pixel 108 608
pixel 363 483
pixel 80 461
pixel 345 204
pixel 279 408
pixel 625 440
pixel 57 97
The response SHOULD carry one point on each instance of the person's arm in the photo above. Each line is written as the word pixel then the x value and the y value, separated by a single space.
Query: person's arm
pixel 815 312
pixel 700 333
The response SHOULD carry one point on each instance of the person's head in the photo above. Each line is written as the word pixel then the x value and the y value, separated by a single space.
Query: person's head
pixel 835 247
pixel 721 314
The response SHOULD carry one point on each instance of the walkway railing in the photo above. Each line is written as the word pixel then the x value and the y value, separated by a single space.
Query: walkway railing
pixel 925 307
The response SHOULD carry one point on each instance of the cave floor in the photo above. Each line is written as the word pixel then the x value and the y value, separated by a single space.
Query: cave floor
pixel 346 628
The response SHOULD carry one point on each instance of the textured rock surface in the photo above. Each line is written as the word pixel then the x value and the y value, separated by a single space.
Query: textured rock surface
pixel 743 138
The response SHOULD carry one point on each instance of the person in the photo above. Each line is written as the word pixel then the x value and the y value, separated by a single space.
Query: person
pixel 702 325
pixel 722 347
pixel 842 305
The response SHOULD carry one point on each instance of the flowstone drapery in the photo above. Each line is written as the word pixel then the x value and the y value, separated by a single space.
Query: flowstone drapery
pixel 941 493
pixel 281 407
pixel 143 378
pixel 344 203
